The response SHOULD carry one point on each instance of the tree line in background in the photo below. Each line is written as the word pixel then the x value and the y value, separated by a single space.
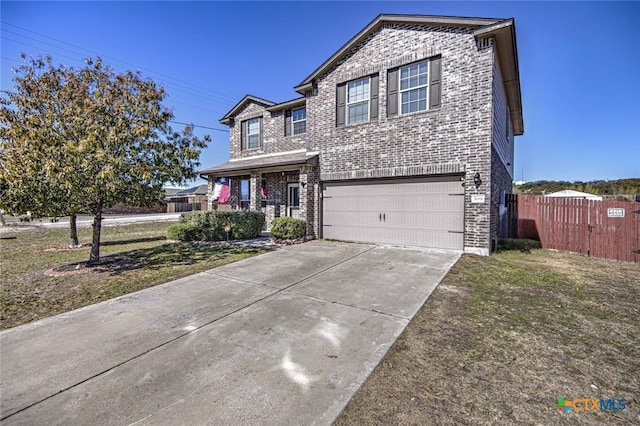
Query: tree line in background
pixel 83 140
pixel 627 187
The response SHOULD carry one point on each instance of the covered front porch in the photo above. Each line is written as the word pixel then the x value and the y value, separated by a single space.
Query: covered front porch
pixel 278 185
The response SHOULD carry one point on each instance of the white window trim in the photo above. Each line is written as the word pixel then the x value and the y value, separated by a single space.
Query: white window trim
pixel 401 91
pixel 293 127
pixel 249 134
pixel 367 101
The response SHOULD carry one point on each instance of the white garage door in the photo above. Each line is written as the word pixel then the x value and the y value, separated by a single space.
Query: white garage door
pixel 426 212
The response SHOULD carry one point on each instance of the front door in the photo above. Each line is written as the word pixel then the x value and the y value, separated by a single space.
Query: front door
pixel 293 200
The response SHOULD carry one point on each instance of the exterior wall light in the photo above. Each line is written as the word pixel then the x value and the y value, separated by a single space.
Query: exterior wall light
pixel 476 180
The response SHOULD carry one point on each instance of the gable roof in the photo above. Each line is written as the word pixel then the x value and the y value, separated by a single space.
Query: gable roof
pixel 288 104
pixel 503 30
pixel 196 190
pixel 228 117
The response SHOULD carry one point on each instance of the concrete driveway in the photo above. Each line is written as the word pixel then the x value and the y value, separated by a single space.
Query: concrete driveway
pixel 282 338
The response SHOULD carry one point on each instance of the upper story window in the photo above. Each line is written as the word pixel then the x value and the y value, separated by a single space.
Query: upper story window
pixel 295 121
pixel 357 101
pixel 507 125
pixel 252 133
pixel 299 120
pixel 414 87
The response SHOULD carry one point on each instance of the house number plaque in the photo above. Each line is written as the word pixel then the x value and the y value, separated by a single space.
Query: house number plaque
pixel 477 198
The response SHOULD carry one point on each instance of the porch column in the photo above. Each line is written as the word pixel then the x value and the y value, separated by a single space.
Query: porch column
pixel 210 184
pixel 308 197
pixel 255 191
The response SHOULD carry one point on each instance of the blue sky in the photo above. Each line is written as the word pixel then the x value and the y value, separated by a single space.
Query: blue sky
pixel 579 63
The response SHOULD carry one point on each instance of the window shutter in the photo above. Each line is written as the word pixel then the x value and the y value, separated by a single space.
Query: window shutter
pixel 373 103
pixel 243 135
pixel 435 82
pixel 392 93
pixel 260 120
pixel 340 104
pixel 287 122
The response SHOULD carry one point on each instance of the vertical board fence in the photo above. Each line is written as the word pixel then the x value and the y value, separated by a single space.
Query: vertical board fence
pixel 603 229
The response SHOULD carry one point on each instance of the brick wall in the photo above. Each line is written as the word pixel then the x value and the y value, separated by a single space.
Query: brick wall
pixel 454 138
pixel 273 138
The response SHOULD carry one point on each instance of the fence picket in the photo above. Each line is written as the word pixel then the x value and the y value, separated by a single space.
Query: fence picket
pixel 577 225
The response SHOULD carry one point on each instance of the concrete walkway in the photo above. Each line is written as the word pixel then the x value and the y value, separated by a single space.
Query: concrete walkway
pixel 108 220
pixel 282 338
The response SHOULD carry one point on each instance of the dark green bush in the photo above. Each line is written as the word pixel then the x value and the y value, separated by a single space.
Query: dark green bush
pixel 522 245
pixel 181 231
pixel 209 225
pixel 288 228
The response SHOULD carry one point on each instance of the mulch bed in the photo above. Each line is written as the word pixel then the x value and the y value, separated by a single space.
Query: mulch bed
pixel 107 264
pixel 291 242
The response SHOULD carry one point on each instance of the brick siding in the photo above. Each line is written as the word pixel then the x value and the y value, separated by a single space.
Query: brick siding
pixel 455 138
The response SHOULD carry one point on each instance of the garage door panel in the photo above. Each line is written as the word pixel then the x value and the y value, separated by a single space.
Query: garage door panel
pixel 440 221
pixel 424 212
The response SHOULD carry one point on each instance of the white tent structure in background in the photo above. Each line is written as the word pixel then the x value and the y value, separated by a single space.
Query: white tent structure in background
pixel 570 193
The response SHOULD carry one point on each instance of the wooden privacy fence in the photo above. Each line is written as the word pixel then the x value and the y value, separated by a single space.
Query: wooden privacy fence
pixel 603 229
pixel 185 207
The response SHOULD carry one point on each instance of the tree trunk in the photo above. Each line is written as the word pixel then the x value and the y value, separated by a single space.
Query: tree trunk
pixel 2 222
pixel 73 231
pixel 94 257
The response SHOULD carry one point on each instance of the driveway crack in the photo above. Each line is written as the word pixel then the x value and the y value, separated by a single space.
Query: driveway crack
pixel 170 341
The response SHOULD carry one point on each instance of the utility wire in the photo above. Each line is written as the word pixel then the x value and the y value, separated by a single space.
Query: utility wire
pixel 79 53
pixel 177 87
pixel 169 100
pixel 213 94
pixel 195 125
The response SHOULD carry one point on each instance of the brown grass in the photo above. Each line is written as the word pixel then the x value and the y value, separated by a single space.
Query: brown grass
pixel 503 337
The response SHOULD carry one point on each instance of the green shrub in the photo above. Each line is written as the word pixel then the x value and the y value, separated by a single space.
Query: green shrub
pixel 209 225
pixel 288 228
pixel 181 231
pixel 522 245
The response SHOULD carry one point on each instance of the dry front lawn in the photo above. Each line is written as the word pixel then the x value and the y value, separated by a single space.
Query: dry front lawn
pixel 503 337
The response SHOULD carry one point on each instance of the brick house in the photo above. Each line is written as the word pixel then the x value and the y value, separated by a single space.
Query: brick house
pixel 404 136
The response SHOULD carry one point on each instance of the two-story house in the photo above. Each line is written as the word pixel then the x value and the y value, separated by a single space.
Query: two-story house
pixel 404 136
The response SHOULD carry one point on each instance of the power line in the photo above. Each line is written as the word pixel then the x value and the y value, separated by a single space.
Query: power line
pixel 175 86
pixel 202 127
pixel 170 100
pixel 213 94
pixel 38 47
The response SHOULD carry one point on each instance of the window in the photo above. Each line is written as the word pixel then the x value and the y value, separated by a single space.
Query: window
pixel 299 120
pixel 507 124
pixel 245 196
pixel 413 88
pixel 357 101
pixel 252 133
